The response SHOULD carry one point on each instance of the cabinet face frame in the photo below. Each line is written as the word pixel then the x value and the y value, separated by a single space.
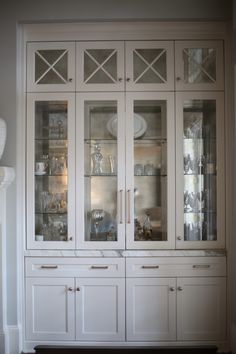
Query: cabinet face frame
pixel 170 129
pixel 80 163
pixel 68 85
pixel 187 290
pixel 130 47
pixel 117 304
pixel 179 66
pixel 220 153
pixel 81 48
pixel 31 100
pixel 65 296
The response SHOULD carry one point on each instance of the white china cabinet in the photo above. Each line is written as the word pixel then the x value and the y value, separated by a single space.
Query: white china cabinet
pixel 125 159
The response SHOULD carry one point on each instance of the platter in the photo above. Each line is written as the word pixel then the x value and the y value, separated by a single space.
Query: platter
pixel 140 125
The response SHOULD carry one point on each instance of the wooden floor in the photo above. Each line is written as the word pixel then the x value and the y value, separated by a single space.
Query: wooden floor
pixel 94 350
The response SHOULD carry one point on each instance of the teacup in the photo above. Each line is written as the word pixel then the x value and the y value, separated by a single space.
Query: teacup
pixel 40 167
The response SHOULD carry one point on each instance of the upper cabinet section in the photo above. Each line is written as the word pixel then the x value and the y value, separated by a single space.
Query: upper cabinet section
pixel 51 67
pixel 131 66
pixel 199 65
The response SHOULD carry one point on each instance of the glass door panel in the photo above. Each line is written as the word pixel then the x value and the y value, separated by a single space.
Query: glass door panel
pixel 149 66
pixel 51 66
pixel 51 187
pixel 103 204
pixel 100 66
pixel 199 65
pixel 49 194
pixel 149 175
pixel 201 171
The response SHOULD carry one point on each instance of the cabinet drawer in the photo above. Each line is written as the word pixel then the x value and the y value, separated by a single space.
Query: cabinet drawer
pixel 73 267
pixel 175 266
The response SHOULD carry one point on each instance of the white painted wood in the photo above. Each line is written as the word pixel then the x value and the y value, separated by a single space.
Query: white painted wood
pixel 32 99
pixel 220 150
pixel 50 308
pixel 75 267
pixel 82 84
pixel 151 309
pixel 201 309
pixel 180 46
pixel 168 98
pixel 166 83
pixel 176 266
pixel 100 309
pixel 80 163
pixel 65 85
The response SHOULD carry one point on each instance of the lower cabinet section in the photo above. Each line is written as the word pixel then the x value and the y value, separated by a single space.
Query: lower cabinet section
pixel 75 309
pixel 166 299
pixel 183 309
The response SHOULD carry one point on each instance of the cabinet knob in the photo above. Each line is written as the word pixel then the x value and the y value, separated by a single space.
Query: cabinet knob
pixel 180 288
pixel 172 288
pixel 70 289
pixel 178 78
pixel 128 79
pixel 78 289
pixel 120 79
pixel 70 238
pixel 70 79
pixel 179 238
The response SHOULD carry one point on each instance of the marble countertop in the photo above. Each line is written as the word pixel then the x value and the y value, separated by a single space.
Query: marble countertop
pixel 124 253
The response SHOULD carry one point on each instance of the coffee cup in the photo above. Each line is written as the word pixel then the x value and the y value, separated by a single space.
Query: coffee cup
pixel 40 167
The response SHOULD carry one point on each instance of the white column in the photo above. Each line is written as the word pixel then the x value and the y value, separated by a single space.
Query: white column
pixel 7 175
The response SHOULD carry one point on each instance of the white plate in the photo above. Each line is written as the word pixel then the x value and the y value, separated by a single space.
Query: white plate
pixel 140 125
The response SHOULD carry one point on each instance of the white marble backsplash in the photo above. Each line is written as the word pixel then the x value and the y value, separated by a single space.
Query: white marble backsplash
pixel 124 253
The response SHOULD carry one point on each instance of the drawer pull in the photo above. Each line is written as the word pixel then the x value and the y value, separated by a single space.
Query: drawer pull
pixel 49 266
pixel 201 266
pixel 150 266
pixel 99 267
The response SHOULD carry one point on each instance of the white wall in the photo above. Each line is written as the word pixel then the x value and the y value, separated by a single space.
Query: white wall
pixel 14 12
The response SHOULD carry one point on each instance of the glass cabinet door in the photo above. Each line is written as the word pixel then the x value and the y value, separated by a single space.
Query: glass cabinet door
pixel 100 171
pixel 150 193
pixel 51 66
pixel 149 65
pixel 50 171
pixel 199 65
pixel 200 170
pixel 100 66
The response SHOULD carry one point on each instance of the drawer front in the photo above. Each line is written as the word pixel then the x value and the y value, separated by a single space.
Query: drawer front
pixel 73 267
pixel 175 266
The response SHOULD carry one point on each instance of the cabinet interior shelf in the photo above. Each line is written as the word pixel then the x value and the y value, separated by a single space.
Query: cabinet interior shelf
pixel 200 174
pixel 200 212
pixel 51 213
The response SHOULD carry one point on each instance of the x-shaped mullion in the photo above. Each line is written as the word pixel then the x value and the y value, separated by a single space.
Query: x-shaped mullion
pixel 51 66
pixel 200 65
pixel 100 66
pixel 150 65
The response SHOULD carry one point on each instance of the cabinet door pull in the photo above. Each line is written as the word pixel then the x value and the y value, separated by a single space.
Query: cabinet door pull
pixel 180 288
pixel 49 266
pixel 201 266
pixel 150 266
pixel 70 289
pixel 99 267
pixel 78 289
pixel 128 206
pixel 121 206
pixel 172 288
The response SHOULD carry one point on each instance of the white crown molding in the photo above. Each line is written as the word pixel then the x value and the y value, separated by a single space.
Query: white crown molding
pixel 124 30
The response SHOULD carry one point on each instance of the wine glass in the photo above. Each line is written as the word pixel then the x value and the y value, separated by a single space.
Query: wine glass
pixel 97 216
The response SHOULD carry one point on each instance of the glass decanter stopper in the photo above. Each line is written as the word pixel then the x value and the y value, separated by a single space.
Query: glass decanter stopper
pixel 97 160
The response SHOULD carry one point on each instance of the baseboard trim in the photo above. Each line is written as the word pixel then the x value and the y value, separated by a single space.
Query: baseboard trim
pixel 12 340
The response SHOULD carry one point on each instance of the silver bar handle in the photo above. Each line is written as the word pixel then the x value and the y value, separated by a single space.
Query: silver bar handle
pixel 150 266
pixel 121 205
pixel 49 266
pixel 128 206
pixel 201 266
pixel 99 267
